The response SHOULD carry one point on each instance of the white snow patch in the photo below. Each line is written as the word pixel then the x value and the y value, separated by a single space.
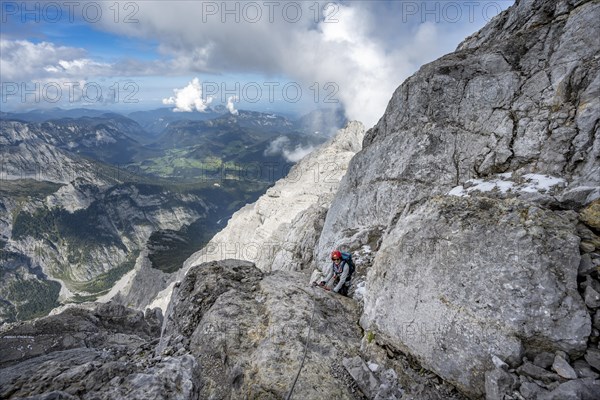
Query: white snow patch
pixel 543 182
pixel 504 186
pixel 458 191
pixel 373 367
pixel 488 186
pixel 503 183
pixel 361 289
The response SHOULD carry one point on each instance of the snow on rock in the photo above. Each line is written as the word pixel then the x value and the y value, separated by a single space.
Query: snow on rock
pixel 360 291
pixel 542 182
pixel 505 183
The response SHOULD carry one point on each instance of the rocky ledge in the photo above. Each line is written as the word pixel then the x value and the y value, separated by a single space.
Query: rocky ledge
pixel 230 332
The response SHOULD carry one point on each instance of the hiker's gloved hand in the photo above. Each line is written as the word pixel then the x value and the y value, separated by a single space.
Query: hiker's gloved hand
pixel 322 283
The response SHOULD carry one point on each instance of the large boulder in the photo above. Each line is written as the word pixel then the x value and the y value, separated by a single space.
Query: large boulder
pixel 94 351
pixel 249 332
pixel 462 279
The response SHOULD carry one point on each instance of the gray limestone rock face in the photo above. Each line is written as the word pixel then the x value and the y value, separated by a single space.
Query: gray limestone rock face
pixel 248 331
pixel 362 375
pixel 592 297
pixel 583 370
pixel 586 266
pixel 562 368
pixel 592 356
pixel 537 373
pixel 103 352
pixel 579 389
pixel 544 359
pixel 530 390
pixel 102 325
pixel 104 374
pixel 461 278
pixel 499 383
pixel 493 106
pixel 453 280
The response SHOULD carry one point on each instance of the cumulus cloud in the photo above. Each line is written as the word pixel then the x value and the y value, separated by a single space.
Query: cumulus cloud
pixel 356 52
pixel 277 146
pixel 189 98
pixel 364 49
pixel 282 145
pixel 298 153
pixel 22 59
pixel 230 106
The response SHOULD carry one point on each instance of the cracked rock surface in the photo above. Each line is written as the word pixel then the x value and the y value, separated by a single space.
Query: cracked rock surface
pixel 472 183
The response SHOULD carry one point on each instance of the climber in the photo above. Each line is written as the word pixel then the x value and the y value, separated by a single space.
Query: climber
pixel 340 273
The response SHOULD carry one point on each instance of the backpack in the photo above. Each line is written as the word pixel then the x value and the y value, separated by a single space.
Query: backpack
pixel 347 258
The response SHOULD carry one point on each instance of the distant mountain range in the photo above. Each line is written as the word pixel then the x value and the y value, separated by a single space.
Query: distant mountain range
pixel 177 144
pixel 41 115
pixel 87 195
pixel 154 122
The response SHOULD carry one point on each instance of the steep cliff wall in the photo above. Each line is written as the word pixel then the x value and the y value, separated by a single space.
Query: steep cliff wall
pixel 472 182
pixel 272 228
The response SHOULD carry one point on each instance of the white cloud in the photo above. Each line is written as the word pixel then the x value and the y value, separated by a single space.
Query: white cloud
pixel 281 146
pixel 189 98
pixel 78 67
pixel 277 146
pixel 298 153
pixel 347 53
pixel 230 106
pixel 356 52
pixel 21 59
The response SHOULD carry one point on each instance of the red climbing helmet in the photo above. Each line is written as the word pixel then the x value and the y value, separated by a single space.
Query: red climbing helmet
pixel 336 254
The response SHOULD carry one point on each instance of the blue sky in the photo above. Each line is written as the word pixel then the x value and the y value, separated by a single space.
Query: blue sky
pixel 102 44
pixel 287 56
